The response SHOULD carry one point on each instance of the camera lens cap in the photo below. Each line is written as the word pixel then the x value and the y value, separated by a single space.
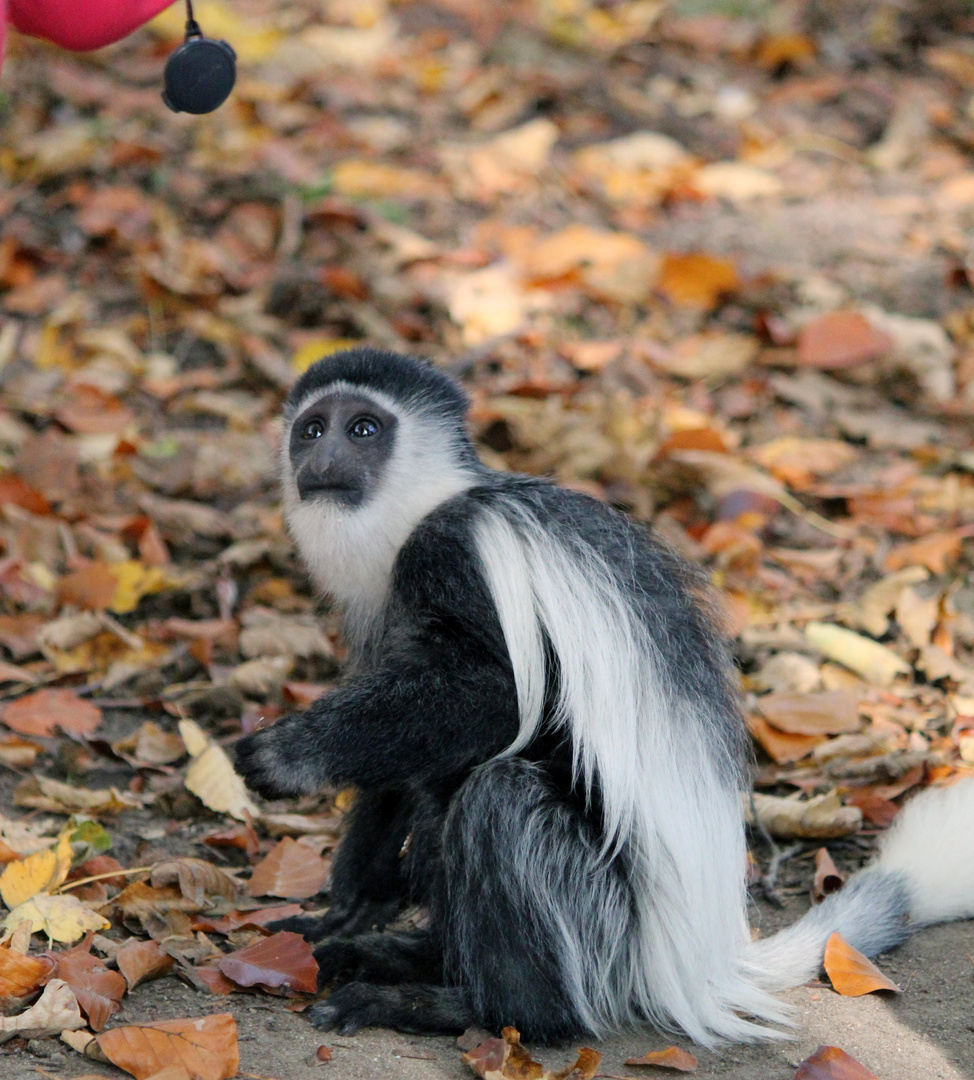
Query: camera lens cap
pixel 199 75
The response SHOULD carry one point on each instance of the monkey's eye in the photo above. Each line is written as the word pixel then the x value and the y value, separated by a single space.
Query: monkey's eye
pixel 313 428
pixel 364 427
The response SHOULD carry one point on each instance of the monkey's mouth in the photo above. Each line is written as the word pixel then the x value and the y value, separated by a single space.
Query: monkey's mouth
pixel 343 493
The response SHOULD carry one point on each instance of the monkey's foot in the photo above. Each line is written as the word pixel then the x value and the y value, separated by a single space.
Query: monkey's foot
pixel 413 1008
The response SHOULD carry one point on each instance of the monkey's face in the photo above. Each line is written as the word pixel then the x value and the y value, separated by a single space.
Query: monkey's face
pixel 340 448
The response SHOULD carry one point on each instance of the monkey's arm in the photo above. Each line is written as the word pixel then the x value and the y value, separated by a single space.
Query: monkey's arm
pixel 420 719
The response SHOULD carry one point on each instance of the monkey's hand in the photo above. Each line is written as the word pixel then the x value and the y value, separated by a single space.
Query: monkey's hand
pixel 270 762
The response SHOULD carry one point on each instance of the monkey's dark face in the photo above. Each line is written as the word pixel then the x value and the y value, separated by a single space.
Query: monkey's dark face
pixel 340 447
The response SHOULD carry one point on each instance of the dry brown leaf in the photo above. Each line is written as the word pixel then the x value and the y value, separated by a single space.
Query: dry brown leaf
pixel 150 745
pixel 821 817
pixel 140 961
pixel 56 1010
pixel 585 1067
pixel 840 339
pixel 43 793
pixel 870 611
pixel 875 809
pixel 829 712
pixel 670 1058
pixel 851 973
pixel 197 879
pixel 798 462
pixel 917 615
pixel 289 870
pixel 709 355
pixel 827 878
pixel 205 1047
pixel 44 712
pixel 99 991
pixel 697 280
pixel 831 1063
pixel 282 961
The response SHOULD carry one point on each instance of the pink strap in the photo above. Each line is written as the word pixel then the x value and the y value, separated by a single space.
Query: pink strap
pixel 82 24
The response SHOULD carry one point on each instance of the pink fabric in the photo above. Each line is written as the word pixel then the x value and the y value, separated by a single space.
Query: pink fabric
pixel 79 25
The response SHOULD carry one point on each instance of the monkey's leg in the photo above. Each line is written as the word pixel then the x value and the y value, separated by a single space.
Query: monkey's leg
pixel 534 923
pixel 368 883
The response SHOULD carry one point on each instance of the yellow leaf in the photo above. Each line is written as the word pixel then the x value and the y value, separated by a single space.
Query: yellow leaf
pixel 210 776
pixel 305 355
pixel 41 872
pixel 359 179
pixel 251 41
pixel 133 580
pixel 62 918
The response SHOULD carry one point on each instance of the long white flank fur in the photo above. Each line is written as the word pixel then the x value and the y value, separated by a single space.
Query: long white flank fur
pixel 664 797
pixel 691 963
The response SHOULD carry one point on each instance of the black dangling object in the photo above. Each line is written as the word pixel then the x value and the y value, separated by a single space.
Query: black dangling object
pixel 200 74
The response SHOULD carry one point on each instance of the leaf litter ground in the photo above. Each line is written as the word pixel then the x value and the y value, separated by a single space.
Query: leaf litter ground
pixel 709 262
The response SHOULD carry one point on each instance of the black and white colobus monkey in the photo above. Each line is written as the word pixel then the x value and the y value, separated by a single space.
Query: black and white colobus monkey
pixel 543 727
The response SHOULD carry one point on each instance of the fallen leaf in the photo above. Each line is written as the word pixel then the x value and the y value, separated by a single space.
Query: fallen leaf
pixel 43 793
pixel 41 872
pixel 827 878
pixel 875 809
pixel 874 662
pixel 851 973
pixel 150 745
pixel 735 181
pixel 670 1058
pixel 697 280
pixel 822 817
pixel 56 1010
pixel 234 920
pixel 829 712
pixel 20 975
pixel 840 339
pixel 99 991
pixel 289 870
pixel 44 712
pixel 140 961
pixel 871 610
pixel 205 1047
pixel 210 775
pixel 62 918
pixel 281 960
pixel 831 1063
pixel 936 551
pixel 782 747
pixel 197 879
pixel 504 164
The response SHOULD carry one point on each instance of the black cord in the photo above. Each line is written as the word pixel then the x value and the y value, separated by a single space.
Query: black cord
pixel 192 26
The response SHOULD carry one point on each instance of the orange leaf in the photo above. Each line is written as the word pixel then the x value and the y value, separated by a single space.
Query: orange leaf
pixel 831 1063
pixel 935 551
pixel 46 711
pixel 840 339
pixel 205 1047
pixel 17 492
pixel 697 280
pixel 19 974
pixel 90 411
pixel 289 870
pixel 851 973
pixel 781 746
pixel 670 1058
pixel 91 587
pixel 140 961
pixel 281 960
